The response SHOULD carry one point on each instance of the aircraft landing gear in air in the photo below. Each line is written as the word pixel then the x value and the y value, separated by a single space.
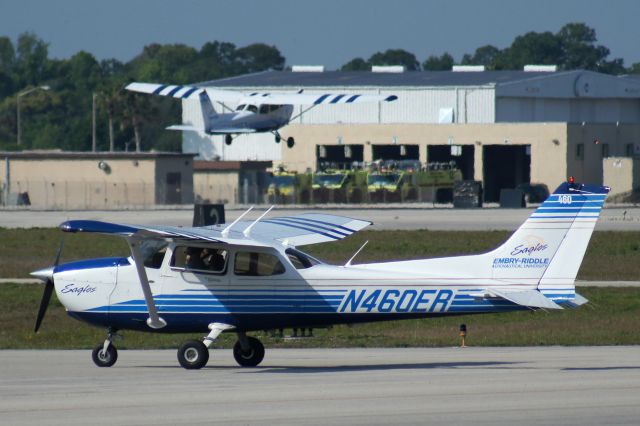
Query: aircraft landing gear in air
pixel 105 354
pixel 290 140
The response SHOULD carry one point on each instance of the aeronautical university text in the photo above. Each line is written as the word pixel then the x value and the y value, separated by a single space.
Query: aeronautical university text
pixel 520 262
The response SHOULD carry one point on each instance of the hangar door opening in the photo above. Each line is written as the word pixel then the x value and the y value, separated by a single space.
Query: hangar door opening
pixel 505 167
pixel 338 156
pixel 395 152
pixel 461 155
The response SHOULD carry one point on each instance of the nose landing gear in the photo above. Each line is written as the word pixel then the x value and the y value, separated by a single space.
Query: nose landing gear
pixel 105 354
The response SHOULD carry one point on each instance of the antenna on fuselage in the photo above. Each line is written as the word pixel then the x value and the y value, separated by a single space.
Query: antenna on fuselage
pixel 355 254
pixel 247 231
pixel 225 231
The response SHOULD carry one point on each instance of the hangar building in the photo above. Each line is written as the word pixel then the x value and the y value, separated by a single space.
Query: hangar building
pixel 503 128
pixel 95 180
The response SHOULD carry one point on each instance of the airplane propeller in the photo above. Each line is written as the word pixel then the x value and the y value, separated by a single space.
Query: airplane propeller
pixel 46 275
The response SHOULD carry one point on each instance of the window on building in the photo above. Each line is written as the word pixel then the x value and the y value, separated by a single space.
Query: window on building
pixel 580 151
pixel 257 264
pixel 605 150
pixel 629 150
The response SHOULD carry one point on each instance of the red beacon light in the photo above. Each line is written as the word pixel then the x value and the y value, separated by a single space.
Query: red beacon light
pixel 572 180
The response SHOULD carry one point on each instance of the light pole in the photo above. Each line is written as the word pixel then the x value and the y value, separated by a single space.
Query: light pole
pixel 21 94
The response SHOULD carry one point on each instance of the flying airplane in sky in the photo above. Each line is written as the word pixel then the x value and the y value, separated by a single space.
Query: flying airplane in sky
pixel 250 275
pixel 256 112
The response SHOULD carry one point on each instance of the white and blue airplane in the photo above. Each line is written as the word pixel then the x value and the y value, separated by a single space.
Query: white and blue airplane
pixel 256 112
pixel 249 275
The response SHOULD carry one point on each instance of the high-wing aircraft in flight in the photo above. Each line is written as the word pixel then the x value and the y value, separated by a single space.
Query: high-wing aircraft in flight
pixel 256 112
pixel 250 275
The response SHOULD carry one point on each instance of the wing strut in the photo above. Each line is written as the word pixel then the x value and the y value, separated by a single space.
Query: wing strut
pixel 154 320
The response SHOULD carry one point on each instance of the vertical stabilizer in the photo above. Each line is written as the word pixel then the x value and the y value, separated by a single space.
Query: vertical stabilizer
pixel 548 248
pixel 208 112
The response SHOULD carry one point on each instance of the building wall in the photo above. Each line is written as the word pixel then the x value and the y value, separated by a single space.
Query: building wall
pixel 518 110
pixel 80 184
pixel 622 174
pixel 216 186
pixel 166 166
pixel 594 138
pixel 65 183
pixel 548 143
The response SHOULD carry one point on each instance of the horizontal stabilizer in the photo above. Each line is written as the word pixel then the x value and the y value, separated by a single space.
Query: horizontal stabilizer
pixel 529 298
pixel 577 301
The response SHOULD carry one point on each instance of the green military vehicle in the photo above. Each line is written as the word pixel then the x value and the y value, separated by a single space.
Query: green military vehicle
pixel 338 186
pixel 287 187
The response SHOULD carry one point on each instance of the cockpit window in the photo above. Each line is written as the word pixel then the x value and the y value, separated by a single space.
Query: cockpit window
pixel 153 252
pixel 257 264
pixel 252 108
pixel 200 259
pixel 240 107
pixel 266 109
pixel 301 260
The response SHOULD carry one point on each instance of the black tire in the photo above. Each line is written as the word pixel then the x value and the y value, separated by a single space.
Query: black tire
pixel 228 139
pixel 193 355
pixel 251 358
pixel 278 138
pixel 104 358
pixel 290 142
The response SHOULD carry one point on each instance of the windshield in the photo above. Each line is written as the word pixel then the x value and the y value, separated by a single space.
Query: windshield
pixel 381 180
pixel 326 180
pixel 283 181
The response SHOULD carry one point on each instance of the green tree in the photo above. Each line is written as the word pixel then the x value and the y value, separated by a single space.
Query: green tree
pixel 486 55
pixel 438 63
pixel 356 64
pixel 31 60
pixel 395 57
pixel 258 57
pixel 531 48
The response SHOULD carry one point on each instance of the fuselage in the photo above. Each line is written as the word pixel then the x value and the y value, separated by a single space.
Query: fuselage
pixel 257 288
pixel 261 118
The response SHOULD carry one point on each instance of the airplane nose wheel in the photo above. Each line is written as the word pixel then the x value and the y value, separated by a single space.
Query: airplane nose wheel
pixel 248 351
pixel 193 355
pixel 104 358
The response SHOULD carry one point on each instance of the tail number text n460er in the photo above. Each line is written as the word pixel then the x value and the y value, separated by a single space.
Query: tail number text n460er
pixel 397 301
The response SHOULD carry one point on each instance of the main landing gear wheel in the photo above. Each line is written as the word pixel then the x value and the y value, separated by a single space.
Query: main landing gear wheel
pixel 104 358
pixel 251 357
pixel 228 139
pixel 278 137
pixel 290 142
pixel 193 355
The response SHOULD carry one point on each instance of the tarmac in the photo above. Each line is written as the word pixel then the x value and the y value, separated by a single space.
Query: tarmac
pixel 407 217
pixel 480 386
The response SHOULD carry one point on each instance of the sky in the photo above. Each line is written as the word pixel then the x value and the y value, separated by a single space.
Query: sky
pixel 321 32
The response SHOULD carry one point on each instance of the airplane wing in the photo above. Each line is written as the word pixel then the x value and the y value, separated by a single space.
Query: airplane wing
pixel 307 99
pixel 302 229
pixel 185 91
pixel 295 230
pixel 220 95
